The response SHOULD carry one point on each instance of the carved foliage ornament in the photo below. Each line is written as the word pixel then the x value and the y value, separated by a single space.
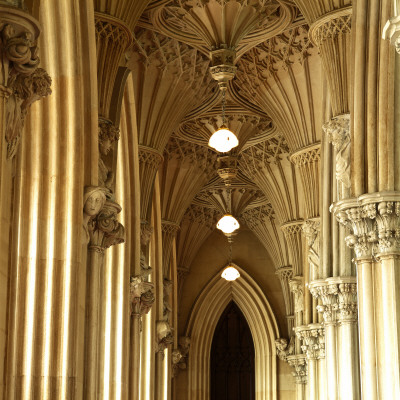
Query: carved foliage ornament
pixel 313 338
pixel 298 362
pixel 141 296
pixel 283 349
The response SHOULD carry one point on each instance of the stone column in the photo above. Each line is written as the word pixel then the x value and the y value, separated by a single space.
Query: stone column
pixel 141 300
pixel 374 221
pixel 285 274
pixel 326 293
pixel 53 164
pixel 104 231
pixel 21 84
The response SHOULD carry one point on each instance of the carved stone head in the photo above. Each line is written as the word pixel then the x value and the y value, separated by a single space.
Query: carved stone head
pixel 93 200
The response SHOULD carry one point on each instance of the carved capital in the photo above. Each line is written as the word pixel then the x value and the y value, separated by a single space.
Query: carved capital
pixel 374 220
pixel 104 229
pixel 327 293
pixel 180 355
pixel 313 338
pixel 169 227
pixel 347 299
pixel 298 362
pixel 149 157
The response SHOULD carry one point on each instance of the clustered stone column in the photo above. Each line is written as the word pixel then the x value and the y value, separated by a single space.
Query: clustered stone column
pixel 338 296
pixel 374 220
pixel 313 338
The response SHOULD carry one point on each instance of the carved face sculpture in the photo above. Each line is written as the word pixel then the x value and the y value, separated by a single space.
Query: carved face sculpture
pixel 94 203
pixel 105 146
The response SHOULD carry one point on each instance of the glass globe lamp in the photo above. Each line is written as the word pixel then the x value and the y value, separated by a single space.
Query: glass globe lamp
pixel 228 224
pixel 230 273
pixel 223 140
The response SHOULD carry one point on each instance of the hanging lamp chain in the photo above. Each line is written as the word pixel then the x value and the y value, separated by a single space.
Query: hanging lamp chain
pixel 229 200
pixel 230 252
pixel 223 106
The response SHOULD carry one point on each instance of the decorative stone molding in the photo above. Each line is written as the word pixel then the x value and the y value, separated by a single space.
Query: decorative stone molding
pixel 292 231
pixel 331 25
pixel 313 338
pixel 297 288
pixel 283 349
pixel 105 230
pixel 338 132
pixel 222 66
pixel 165 335
pixel 298 362
pixel 141 295
pixel 169 227
pixel 307 155
pixel 374 220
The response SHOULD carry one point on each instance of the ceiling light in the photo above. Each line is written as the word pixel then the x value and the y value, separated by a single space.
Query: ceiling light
pixel 228 224
pixel 230 273
pixel 223 140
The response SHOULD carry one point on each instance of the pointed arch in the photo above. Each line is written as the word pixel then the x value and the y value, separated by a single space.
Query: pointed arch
pixel 203 320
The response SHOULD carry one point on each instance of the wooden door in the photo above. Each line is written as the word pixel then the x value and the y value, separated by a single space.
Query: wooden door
pixel 232 358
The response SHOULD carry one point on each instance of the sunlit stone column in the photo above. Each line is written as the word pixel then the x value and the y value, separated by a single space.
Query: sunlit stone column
pixel 53 164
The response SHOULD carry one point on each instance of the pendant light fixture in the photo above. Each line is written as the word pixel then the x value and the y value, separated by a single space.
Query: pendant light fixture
pixel 223 140
pixel 228 223
pixel 230 273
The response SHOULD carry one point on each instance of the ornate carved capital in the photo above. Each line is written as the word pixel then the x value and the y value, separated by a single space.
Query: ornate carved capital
pixel 321 289
pixel 313 338
pixel 169 227
pixel 347 299
pixel 298 362
pixel 104 229
pixel 374 220
pixel 141 296
pixel 331 25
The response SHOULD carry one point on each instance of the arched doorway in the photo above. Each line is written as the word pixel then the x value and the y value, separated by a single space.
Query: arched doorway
pixel 232 358
pixel 206 313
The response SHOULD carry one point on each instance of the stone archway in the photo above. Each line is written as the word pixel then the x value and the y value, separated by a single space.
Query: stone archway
pixel 205 315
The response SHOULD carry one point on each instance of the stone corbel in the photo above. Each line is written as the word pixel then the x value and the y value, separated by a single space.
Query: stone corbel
pixel 284 349
pixel 21 81
pixel 180 355
pixel 105 230
pixel 141 296
pixel 165 336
